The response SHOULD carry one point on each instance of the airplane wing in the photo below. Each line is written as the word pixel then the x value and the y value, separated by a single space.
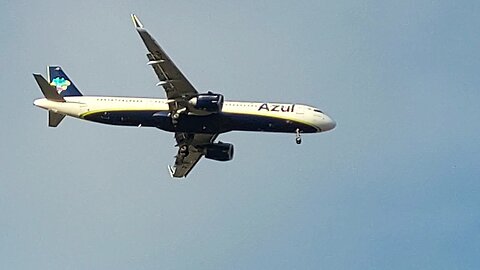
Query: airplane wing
pixel 171 78
pixel 189 152
pixel 180 90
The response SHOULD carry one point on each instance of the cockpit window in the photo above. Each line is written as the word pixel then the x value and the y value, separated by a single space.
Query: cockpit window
pixel 316 110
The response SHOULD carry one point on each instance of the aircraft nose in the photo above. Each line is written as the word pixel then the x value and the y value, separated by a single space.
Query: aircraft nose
pixel 328 123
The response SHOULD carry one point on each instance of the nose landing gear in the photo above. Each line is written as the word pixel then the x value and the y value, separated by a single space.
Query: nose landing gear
pixel 298 137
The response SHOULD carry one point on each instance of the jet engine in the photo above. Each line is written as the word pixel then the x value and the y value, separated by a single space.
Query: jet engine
pixel 219 151
pixel 209 102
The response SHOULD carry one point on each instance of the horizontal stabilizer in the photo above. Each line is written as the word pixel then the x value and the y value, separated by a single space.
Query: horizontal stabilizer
pixel 48 90
pixel 54 118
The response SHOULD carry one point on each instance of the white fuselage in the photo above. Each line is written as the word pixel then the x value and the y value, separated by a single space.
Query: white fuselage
pixel 86 107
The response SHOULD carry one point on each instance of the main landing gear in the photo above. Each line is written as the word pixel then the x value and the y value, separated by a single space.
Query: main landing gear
pixel 175 117
pixel 183 151
pixel 298 137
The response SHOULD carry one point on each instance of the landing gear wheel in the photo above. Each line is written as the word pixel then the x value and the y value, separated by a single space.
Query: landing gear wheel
pixel 175 116
pixel 184 150
pixel 298 137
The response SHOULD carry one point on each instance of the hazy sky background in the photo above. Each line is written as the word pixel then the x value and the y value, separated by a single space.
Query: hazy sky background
pixel 395 186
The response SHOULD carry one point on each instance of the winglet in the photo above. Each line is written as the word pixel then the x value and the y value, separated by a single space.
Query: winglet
pixel 171 170
pixel 136 21
pixel 48 91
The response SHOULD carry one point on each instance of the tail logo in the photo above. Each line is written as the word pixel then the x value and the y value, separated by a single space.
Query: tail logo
pixel 60 84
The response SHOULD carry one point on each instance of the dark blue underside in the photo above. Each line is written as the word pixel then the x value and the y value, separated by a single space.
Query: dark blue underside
pixel 214 123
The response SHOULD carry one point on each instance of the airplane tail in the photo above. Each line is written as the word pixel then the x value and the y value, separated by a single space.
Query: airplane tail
pixel 64 86
pixel 55 88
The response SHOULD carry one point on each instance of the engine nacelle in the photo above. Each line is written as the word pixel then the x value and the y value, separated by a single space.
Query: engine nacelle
pixel 219 151
pixel 209 102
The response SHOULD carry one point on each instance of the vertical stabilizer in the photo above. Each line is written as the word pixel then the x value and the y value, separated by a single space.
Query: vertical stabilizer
pixel 64 86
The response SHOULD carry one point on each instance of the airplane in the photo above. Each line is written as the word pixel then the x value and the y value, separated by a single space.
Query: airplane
pixel 196 119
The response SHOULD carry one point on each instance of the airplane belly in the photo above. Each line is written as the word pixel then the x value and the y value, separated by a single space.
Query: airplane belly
pixel 250 122
pixel 225 122
pixel 122 118
pixel 211 124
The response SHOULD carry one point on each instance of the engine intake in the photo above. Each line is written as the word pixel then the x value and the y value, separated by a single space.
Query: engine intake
pixel 208 102
pixel 219 151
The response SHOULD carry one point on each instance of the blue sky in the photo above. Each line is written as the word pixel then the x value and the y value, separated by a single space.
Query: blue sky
pixel 394 186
